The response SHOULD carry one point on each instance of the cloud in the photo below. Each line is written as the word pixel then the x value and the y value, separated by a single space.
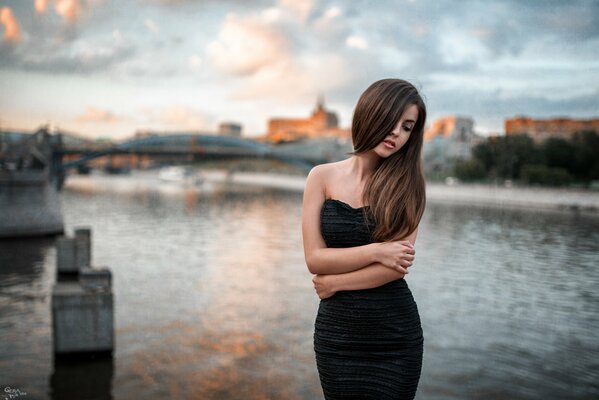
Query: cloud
pixel 297 82
pixel 300 8
pixel 195 63
pixel 204 3
pixel 177 117
pixel 81 57
pixel 70 10
pixel 332 12
pixel 50 45
pixel 151 25
pixel 275 53
pixel 12 30
pixel 97 115
pixel 357 42
pixel 41 6
pixel 246 45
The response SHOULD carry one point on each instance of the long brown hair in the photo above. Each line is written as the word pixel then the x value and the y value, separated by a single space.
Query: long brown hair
pixel 395 192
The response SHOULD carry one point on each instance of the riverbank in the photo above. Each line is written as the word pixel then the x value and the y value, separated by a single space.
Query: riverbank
pixel 475 194
pixel 521 197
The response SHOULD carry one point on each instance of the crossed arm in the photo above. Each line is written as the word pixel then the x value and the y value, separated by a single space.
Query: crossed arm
pixel 351 268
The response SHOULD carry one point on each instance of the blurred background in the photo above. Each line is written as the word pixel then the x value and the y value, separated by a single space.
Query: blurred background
pixel 180 133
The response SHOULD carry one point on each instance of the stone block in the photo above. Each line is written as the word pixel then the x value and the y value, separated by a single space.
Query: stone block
pixel 83 247
pixel 95 278
pixel 82 320
pixel 66 255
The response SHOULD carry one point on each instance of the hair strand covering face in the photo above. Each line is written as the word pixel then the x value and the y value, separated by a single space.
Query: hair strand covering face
pixel 396 190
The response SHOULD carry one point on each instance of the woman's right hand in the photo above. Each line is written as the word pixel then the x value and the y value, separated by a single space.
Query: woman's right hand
pixel 398 255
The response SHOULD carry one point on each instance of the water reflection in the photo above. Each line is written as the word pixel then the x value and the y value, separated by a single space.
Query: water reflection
pixel 25 335
pixel 213 300
pixel 22 260
pixel 508 302
pixel 81 378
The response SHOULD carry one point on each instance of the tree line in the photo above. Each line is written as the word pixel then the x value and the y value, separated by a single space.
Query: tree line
pixel 554 162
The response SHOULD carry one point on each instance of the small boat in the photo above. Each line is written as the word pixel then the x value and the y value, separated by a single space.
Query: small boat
pixel 179 174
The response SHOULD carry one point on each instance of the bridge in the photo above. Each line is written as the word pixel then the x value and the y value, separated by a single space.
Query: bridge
pixel 22 150
pixel 33 166
pixel 199 146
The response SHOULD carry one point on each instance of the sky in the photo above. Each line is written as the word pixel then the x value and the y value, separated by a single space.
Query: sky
pixel 109 68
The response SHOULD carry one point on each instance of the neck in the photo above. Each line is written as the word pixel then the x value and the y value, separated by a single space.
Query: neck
pixel 363 165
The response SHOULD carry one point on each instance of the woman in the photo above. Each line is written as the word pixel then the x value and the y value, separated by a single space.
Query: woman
pixel 359 223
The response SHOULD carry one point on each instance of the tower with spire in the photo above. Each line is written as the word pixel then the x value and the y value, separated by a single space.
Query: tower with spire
pixel 321 118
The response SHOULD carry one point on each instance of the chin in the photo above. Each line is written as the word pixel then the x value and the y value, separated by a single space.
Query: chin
pixel 384 152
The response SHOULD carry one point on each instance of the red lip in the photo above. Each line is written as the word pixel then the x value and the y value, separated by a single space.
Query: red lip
pixel 390 142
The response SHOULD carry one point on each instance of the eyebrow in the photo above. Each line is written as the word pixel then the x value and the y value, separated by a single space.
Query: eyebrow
pixel 410 120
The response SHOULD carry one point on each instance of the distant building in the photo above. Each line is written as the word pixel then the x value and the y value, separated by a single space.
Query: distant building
pixel 229 129
pixel 542 129
pixel 322 123
pixel 449 139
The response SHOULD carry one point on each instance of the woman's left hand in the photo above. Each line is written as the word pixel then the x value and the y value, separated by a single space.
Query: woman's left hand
pixel 323 286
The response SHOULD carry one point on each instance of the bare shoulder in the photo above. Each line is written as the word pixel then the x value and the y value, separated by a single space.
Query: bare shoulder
pixel 325 173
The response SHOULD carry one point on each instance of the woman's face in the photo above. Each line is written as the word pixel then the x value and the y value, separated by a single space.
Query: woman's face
pixel 400 134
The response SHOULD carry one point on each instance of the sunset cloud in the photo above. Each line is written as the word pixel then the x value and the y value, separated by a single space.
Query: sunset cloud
pixel 97 115
pixel 246 45
pixel 12 30
pixel 244 60
pixel 178 117
pixel 300 8
pixel 299 82
pixel 41 6
pixel 183 117
pixel 70 10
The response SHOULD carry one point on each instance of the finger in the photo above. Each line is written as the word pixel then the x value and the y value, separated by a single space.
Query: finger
pixel 408 250
pixel 401 269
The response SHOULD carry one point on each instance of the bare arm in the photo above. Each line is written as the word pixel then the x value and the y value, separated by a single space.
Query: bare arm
pixel 371 276
pixel 319 258
pixel 323 260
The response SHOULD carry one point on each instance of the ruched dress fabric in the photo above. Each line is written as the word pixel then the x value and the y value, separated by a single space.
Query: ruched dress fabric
pixel 369 342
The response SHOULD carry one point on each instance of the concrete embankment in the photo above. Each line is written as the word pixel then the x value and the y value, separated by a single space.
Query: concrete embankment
pixel 29 204
pixel 479 194
pixel 522 197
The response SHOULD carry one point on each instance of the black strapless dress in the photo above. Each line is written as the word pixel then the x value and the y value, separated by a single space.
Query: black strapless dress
pixel 368 343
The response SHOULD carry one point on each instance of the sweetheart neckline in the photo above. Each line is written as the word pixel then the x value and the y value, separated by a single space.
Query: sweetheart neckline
pixel 343 202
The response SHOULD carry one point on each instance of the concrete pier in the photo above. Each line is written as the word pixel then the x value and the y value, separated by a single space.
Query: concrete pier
pixel 66 256
pixel 73 254
pixel 83 243
pixel 95 279
pixel 29 180
pixel 29 204
pixel 82 310
pixel 82 319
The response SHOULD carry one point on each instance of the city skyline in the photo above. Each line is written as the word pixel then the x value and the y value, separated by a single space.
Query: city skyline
pixel 101 68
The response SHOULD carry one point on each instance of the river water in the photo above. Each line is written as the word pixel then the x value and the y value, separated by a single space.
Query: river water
pixel 213 300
